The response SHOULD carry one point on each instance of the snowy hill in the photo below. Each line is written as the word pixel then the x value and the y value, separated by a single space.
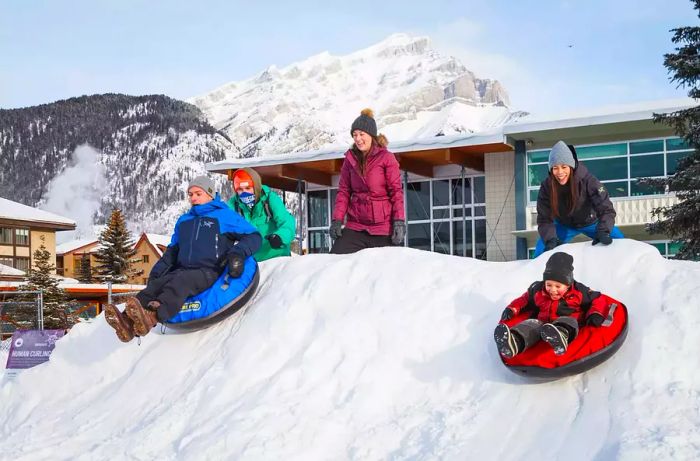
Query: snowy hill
pixel 385 354
pixel 414 91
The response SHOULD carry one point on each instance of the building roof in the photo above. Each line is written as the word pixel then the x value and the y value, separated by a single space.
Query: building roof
pixel 598 116
pixel 419 156
pixel 15 211
pixel 73 245
pixel 158 239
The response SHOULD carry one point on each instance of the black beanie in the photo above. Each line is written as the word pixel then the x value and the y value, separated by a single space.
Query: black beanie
pixel 365 122
pixel 560 267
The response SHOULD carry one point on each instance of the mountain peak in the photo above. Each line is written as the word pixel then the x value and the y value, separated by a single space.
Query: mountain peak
pixel 414 90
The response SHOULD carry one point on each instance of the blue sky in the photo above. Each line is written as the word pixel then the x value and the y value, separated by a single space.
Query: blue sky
pixel 552 56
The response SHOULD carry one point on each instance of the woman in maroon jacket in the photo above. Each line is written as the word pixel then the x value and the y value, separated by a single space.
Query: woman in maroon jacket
pixel 370 193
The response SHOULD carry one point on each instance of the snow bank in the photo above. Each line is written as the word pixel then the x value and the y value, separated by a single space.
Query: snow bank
pixel 385 354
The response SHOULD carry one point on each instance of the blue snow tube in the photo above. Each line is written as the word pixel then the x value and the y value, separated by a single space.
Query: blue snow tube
pixel 226 297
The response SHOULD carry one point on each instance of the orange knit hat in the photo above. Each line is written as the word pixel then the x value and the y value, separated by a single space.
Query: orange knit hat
pixel 242 179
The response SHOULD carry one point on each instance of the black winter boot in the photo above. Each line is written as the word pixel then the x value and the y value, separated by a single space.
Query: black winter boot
pixel 507 341
pixel 555 336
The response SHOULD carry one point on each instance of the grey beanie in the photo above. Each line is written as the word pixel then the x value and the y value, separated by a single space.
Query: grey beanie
pixel 205 183
pixel 561 155
pixel 365 122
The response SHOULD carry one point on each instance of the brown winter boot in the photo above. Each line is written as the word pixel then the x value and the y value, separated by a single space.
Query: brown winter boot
pixel 143 319
pixel 122 324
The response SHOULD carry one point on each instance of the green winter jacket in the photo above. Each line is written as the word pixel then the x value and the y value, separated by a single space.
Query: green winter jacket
pixel 281 221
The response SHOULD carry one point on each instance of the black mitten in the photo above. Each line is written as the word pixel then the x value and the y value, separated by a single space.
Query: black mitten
pixel 551 244
pixel 507 314
pixel 275 241
pixel 236 263
pixel 602 238
pixel 336 229
pixel 595 320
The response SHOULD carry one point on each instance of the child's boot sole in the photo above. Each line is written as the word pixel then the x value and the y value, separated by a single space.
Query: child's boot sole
pixel 122 324
pixel 554 338
pixel 505 341
pixel 137 314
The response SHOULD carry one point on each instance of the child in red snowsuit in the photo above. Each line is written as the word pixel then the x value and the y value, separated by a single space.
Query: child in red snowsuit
pixel 558 305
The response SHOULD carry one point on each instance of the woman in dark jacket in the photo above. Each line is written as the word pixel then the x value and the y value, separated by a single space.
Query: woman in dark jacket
pixel 572 201
pixel 370 193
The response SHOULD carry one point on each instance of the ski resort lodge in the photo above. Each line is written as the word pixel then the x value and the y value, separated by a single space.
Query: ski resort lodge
pixel 475 194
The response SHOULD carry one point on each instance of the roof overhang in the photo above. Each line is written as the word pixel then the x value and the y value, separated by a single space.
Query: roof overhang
pixel 285 171
pixel 37 224
pixel 635 121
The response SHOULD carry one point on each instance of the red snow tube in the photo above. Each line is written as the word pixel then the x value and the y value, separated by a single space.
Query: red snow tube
pixel 592 346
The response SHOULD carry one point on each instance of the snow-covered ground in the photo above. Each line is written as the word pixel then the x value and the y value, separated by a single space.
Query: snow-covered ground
pixel 384 354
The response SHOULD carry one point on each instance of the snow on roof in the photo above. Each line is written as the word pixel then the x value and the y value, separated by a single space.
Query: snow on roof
pixel 7 270
pixel 531 123
pixel 491 136
pixel 158 239
pixel 72 245
pixel 598 116
pixel 18 211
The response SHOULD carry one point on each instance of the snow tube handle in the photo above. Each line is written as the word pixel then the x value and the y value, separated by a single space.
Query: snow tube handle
pixel 609 320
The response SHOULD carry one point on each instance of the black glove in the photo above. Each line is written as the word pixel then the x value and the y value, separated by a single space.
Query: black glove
pixel 507 314
pixel 602 238
pixel 595 320
pixel 551 244
pixel 398 232
pixel 275 241
pixel 236 262
pixel 336 229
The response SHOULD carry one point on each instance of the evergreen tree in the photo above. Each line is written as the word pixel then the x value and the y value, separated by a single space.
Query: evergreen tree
pixel 116 251
pixel 40 277
pixel 681 222
pixel 85 271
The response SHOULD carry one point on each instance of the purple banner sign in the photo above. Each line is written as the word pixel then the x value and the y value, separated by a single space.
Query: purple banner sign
pixel 31 347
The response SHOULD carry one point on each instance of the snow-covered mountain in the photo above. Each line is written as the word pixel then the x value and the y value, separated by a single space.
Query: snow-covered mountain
pixel 386 354
pixel 414 91
pixel 144 150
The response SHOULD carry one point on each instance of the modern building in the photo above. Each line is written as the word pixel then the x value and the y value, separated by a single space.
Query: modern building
pixel 475 195
pixel 23 229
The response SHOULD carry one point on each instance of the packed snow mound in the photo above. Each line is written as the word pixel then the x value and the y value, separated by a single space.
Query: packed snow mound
pixel 384 354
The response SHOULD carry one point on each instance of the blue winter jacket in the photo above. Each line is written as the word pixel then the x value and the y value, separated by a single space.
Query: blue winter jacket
pixel 205 236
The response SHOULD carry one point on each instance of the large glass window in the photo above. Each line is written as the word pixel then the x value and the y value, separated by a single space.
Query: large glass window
pixel 6 261
pixel 418 200
pixel 435 210
pixel 419 236
pixel 22 264
pixel 618 166
pixel 318 208
pixel 22 237
pixel 319 241
pixel 440 227
pixel 5 236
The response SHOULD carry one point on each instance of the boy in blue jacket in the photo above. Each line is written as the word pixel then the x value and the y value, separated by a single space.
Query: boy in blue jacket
pixel 207 238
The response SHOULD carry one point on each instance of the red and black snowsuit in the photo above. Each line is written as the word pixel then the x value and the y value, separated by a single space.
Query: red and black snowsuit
pixel 570 311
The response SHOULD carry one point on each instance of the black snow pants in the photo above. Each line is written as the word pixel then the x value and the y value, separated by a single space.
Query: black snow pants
pixel 171 289
pixel 353 241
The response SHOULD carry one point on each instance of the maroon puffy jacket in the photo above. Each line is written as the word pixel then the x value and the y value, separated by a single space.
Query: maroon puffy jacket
pixel 371 200
pixel 572 304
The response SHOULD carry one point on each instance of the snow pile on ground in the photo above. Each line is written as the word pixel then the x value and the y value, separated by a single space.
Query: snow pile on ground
pixel 385 354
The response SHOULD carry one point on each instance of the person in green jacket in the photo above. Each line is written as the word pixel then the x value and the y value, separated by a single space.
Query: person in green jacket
pixel 264 209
